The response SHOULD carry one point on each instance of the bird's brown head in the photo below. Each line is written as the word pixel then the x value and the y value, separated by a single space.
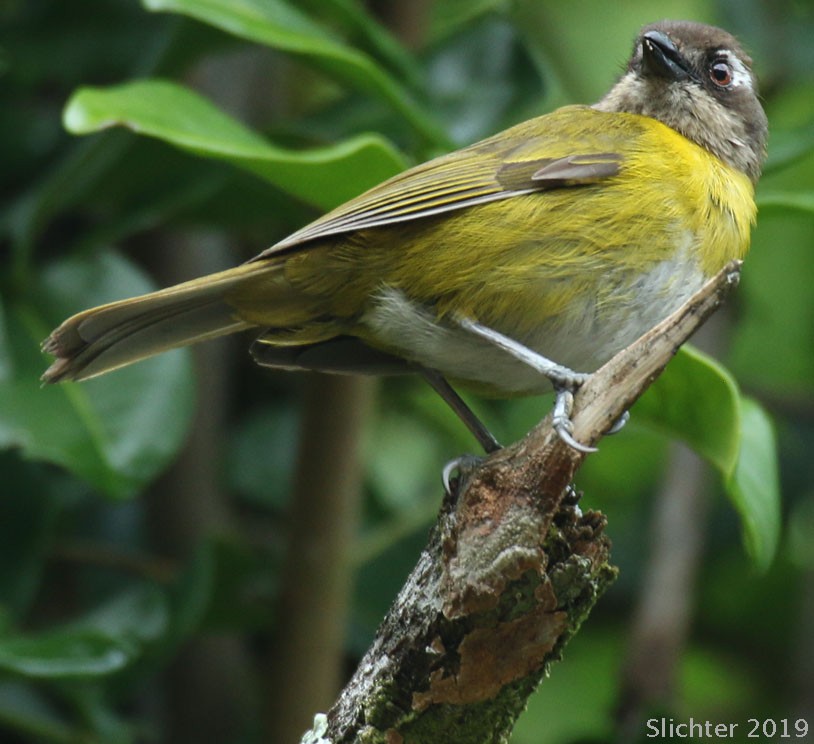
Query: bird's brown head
pixel 698 80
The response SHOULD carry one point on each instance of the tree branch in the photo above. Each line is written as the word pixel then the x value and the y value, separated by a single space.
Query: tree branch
pixel 511 570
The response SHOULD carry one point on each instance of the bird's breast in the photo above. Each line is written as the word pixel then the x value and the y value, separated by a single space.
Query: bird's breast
pixel 593 327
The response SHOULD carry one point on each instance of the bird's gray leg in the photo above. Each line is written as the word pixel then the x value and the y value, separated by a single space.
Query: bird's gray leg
pixel 565 381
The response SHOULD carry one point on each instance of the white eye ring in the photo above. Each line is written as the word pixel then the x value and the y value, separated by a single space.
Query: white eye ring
pixel 724 61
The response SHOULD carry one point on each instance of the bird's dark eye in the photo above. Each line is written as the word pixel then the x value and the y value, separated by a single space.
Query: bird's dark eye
pixel 720 72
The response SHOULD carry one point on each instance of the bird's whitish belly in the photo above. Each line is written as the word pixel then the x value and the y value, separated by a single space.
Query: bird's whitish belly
pixel 589 333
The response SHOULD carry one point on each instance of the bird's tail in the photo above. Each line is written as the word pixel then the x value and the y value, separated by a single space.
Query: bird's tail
pixel 110 336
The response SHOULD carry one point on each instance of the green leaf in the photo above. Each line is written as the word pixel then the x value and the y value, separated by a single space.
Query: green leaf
pixel 324 177
pixel 65 654
pixel 556 36
pixel 101 721
pixel 139 614
pixel 102 642
pixel 449 17
pixel 802 201
pixel 118 431
pixel 754 485
pixel 351 14
pixel 280 25
pixel 788 149
pixel 576 705
pixel 697 400
pixel 29 710
pixel 5 351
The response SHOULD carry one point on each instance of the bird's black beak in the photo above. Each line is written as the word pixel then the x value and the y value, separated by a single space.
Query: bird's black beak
pixel 661 57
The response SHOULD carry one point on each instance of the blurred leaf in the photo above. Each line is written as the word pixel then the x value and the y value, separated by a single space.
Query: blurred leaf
pixel 117 431
pixel 772 344
pixel 138 614
pixel 482 80
pixel 324 177
pixel 788 147
pixel 5 351
pixel 751 610
pixel 29 711
pixel 754 486
pixel 449 16
pixel 100 643
pixel 282 26
pixel 67 653
pixel 715 686
pixel 401 453
pixel 555 33
pixel 797 200
pixel 379 579
pixel 61 188
pixel 92 702
pixel 576 705
pixel 402 462
pixel 355 17
pixel 791 120
pixel 697 401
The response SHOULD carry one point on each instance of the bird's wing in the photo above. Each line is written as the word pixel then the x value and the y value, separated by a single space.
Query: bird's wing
pixel 534 156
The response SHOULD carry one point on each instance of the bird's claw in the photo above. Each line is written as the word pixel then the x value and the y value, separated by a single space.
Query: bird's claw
pixel 463 464
pixel 561 421
pixel 619 424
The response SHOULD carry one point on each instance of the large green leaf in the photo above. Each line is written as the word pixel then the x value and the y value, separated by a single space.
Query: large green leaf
pixel 282 26
pixel 754 484
pixel 323 177
pixel 117 431
pixel 696 400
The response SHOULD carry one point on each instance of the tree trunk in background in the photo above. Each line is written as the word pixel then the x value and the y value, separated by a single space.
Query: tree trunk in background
pixel 208 684
pixel 305 662
pixel 304 666
pixel 663 616
pixel 662 619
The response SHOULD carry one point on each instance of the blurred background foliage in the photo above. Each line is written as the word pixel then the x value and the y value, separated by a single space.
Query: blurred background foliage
pixel 144 516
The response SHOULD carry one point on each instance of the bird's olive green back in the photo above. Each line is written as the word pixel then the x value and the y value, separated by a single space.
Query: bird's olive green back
pixel 573 195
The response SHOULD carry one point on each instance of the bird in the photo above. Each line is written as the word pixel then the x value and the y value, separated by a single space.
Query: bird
pixel 512 266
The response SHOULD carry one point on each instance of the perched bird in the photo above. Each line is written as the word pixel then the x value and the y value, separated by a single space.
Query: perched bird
pixel 525 260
